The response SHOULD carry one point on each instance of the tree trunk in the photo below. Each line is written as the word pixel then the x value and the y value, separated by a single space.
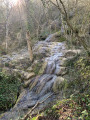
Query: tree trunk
pixel 6 37
pixel 7 27
pixel 28 37
pixel 29 46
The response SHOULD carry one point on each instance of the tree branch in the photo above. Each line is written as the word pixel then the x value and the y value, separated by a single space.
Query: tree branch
pixel 57 5
pixel 82 41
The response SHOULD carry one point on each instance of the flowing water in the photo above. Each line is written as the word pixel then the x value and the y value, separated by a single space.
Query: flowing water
pixel 40 87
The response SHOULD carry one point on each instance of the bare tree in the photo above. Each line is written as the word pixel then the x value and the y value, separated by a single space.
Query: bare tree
pixel 62 8
pixel 8 10
pixel 28 37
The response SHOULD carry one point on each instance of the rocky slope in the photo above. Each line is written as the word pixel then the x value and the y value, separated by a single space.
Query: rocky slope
pixel 37 88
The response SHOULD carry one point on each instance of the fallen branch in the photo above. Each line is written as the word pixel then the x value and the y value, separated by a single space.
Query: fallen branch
pixel 28 114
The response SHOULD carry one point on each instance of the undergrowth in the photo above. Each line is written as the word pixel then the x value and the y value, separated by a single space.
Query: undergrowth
pixel 9 90
pixel 77 107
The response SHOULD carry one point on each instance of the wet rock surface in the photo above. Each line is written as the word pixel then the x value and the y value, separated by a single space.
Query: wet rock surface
pixel 40 87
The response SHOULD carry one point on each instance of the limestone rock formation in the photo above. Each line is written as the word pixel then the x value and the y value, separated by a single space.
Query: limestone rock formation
pixel 51 78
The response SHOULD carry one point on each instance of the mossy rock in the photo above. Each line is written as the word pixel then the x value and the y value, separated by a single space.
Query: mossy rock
pixel 42 70
pixel 33 84
pixel 39 67
pixel 58 84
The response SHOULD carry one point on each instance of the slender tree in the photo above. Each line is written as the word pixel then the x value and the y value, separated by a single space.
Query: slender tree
pixel 8 10
pixel 28 37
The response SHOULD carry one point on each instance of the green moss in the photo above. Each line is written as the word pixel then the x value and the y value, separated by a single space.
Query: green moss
pixel 38 56
pixel 39 67
pixel 34 118
pixel 6 64
pixel 62 39
pixel 43 67
pixel 70 63
pixel 36 68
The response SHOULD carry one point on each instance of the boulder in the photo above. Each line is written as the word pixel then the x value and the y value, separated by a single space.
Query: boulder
pixel 43 68
pixel 27 83
pixel 60 70
pixel 58 84
pixel 24 75
pixel 27 75
pixel 29 69
pixel 71 53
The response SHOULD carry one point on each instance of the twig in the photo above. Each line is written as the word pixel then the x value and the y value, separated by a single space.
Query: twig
pixel 57 5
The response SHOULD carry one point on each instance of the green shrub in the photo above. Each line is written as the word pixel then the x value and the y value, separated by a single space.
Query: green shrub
pixel 9 89
pixel 83 67
pixel 79 73
pixel 82 105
